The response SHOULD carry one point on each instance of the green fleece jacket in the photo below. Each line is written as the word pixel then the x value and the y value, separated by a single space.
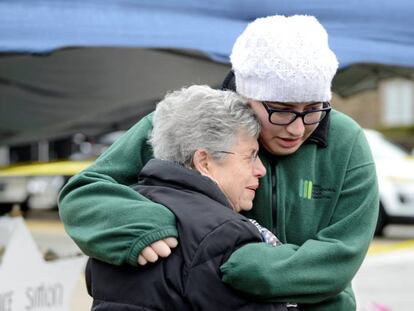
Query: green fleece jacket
pixel 322 202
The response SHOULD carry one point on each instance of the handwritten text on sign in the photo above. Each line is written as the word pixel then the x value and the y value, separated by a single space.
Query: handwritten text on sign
pixel 29 283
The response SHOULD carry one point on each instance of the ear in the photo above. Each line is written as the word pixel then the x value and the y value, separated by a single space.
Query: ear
pixel 201 162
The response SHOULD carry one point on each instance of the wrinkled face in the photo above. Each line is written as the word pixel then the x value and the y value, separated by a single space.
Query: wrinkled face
pixel 283 139
pixel 238 173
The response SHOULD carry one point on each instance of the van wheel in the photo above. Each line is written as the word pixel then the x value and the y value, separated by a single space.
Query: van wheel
pixel 5 208
pixel 381 222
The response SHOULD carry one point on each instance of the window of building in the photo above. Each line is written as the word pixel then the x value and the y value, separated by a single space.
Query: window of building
pixel 398 102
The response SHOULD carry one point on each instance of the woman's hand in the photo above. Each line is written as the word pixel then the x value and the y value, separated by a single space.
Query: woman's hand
pixel 161 248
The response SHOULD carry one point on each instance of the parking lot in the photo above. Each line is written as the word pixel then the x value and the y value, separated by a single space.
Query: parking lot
pixel 385 281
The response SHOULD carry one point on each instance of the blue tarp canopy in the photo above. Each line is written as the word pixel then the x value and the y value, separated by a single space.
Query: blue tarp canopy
pixel 64 64
pixel 361 31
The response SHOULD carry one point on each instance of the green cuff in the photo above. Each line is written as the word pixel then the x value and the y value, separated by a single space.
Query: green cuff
pixel 146 240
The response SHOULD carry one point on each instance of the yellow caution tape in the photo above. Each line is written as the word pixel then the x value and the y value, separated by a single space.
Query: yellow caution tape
pixel 62 168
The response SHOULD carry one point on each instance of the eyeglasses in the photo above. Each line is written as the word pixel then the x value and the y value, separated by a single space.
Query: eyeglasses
pixel 286 117
pixel 251 158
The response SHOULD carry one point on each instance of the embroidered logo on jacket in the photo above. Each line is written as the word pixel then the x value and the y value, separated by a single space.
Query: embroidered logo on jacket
pixel 309 190
pixel 305 189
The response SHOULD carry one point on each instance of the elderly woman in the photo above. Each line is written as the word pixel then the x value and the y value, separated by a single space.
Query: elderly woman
pixel 205 170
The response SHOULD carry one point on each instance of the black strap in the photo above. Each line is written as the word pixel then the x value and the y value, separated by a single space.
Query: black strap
pixel 229 82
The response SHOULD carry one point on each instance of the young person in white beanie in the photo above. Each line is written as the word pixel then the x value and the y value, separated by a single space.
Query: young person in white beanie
pixel 319 196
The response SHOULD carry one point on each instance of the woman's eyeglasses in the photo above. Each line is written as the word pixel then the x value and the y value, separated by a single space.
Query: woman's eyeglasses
pixel 252 158
pixel 286 117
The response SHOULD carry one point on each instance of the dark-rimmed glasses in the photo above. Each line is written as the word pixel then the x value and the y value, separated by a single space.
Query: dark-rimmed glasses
pixel 286 117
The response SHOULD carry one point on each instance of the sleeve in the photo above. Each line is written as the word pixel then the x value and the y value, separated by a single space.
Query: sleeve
pixel 108 219
pixel 203 286
pixel 323 266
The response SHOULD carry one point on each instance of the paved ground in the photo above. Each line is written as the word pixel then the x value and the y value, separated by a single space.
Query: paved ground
pixel 385 278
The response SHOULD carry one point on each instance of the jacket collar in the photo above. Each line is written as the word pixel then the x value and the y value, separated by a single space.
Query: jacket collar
pixel 320 135
pixel 170 174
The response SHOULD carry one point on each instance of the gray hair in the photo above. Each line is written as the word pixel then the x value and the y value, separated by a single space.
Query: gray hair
pixel 199 117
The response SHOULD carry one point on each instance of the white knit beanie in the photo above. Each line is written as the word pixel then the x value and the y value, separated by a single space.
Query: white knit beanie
pixel 284 59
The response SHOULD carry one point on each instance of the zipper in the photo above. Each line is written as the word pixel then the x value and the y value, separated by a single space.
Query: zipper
pixel 274 202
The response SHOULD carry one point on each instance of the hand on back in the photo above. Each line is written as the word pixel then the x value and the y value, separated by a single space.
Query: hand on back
pixel 161 248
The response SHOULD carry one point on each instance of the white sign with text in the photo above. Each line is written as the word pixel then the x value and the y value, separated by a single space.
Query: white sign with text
pixel 27 281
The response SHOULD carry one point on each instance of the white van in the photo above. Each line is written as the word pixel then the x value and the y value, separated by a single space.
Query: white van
pixel 395 170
